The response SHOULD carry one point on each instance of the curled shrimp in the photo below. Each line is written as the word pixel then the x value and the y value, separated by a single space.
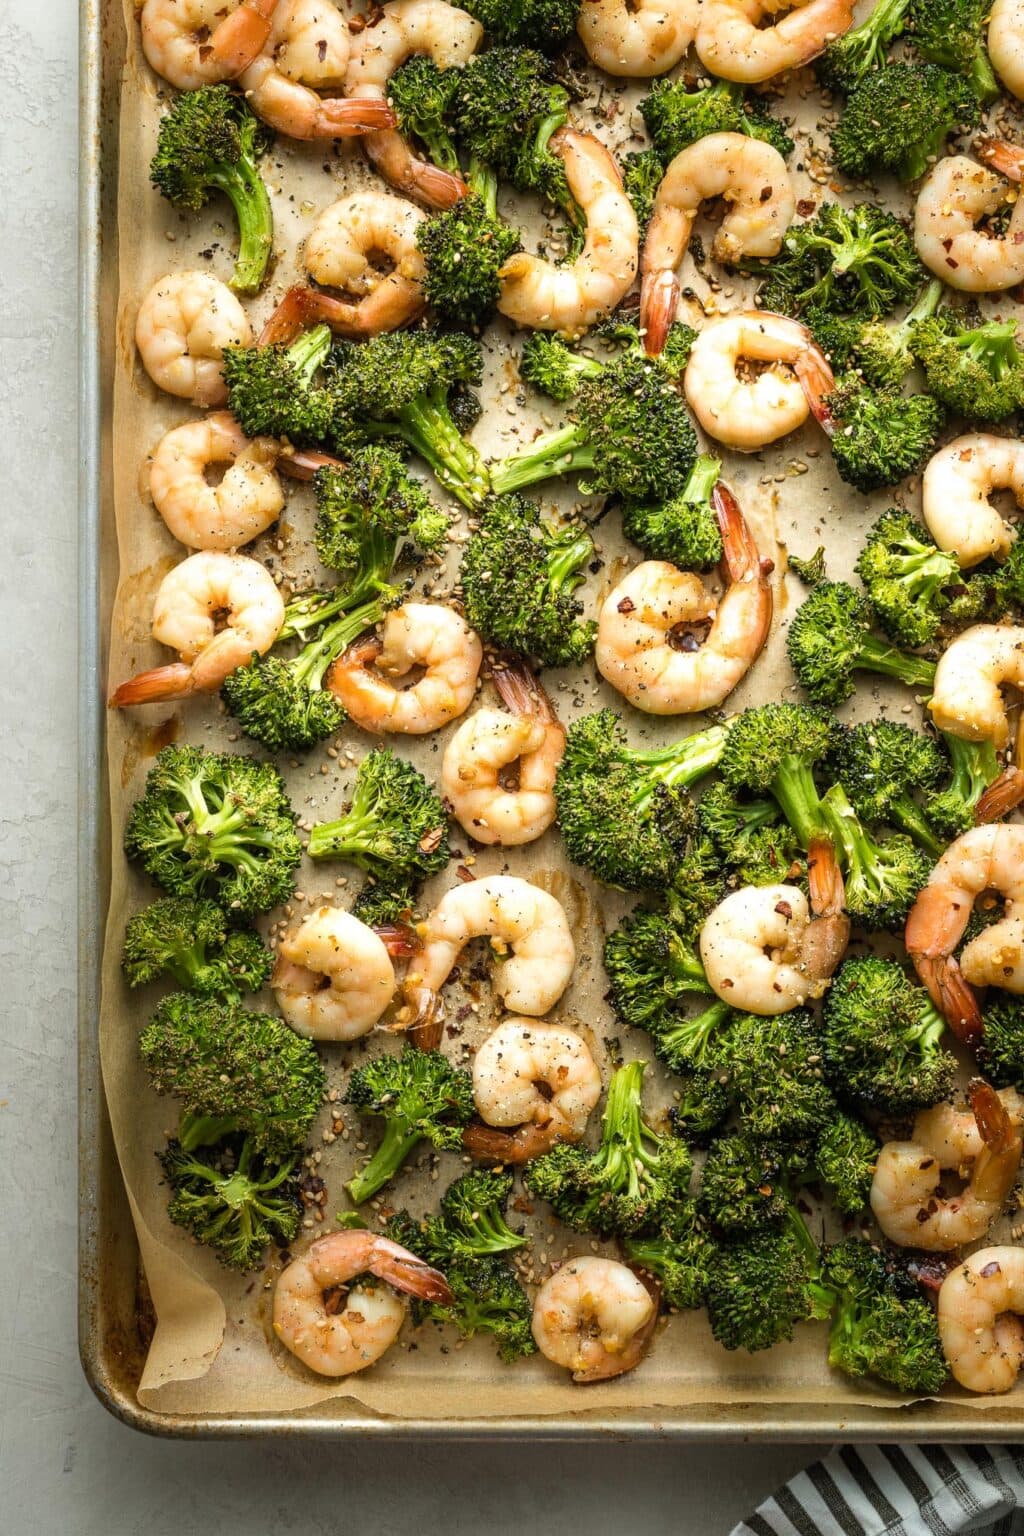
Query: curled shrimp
pixel 425 637
pixel 344 251
pixel 972 671
pixel 989 858
pixel 206 591
pixel 333 978
pixel 905 1197
pixel 636 39
pixel 765 950
pixel 184 323
pixel 338 1341
pixel 225 516
pixel 306 52
pixel 396 32
pixel 594 1317
pixel 514 915
pixel 670 647
pixel 749 415
pixel 193 43
pixel 955 495
pixel 752 177
pixel 514 1064
pixel 980 1307
pixel 489 743
pixel 570 298
pixel 733 45
pixel 953 1135
pixel 1006 44
pixel 956 194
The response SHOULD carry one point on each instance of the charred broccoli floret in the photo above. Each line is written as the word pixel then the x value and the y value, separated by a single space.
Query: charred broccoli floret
pixel 189 940
pixel 421 95
pixel 830 640
pixel 1000 1051
pixel 882 1326
pixel 652 968
pixel 884 350
pixel 977 371
pixel 630 1184
pixel 882 876
pixel 420 1097
pixel 553 368
pixel 775 1078
pixel 852 261
pixel 760 1287
pixel 951 33
pixel 848 58
pixel 743 1185
pixel 898 119
pixel 212 823
pixel 882 1039
pixel 544 24
pixel 845 1155
pixel 751 837
pixel 364 508
pixel 642 172
pixel 683 530
pixel 273 391
pixel 464 249
pixel 472 1219
pixel 233 1200
pixel 774 750
pixel 210 142
pixel 519 578
pixel 235 1072
pixel 910 581
pixel 676 117
pixel 679 1254
pixel 881 763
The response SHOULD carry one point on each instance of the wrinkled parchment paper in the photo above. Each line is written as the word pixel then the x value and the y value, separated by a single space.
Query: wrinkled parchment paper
pixel 212 1351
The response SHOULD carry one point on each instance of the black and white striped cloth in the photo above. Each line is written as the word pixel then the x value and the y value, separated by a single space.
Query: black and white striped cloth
pixel 892 1490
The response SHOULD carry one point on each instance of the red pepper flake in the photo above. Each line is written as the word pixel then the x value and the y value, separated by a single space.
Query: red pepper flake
pixel 989 1269
pixel 627 605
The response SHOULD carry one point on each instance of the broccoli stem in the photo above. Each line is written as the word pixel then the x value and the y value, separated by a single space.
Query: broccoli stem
pixel 975 767
pixel 624 1135
pixel 906 814
pixel 313 661
pixel 877 29
pixel 204 1130
pixel 873 655
pixel 993 346
pixel 484 182
pixel 396 1144
pixel 244 186
pixel 692 1037
pixel 794 788
pixel 681 763
pixel 702 479
pixel 568 553
pixel 308 351
pixel 426 425
pixel 554 453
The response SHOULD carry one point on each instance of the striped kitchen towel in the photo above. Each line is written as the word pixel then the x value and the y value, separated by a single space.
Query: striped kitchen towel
pixel 891 1490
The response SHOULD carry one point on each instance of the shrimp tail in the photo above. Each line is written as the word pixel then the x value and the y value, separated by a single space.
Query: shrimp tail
pixel 348 117
pixel 817 381
pixel 828 934
pixel 999 1161
pixel 952 995
pixel 659 301
pixel 303 463
pixel 175 681
pixel 740 553
pixel 301 306
pixel 825 879
pixel 489 1144
pixel 1001 797
pixel 520 690
pixel 240 38
pixel 399 939
pixel 426 1025
pixel 407 1273
pixel 1007 159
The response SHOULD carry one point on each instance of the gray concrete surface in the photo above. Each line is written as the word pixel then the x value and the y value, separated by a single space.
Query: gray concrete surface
pixel 64 1464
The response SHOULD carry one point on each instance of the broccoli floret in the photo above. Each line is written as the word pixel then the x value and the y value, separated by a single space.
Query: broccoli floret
pixel 759 1287
pixel 974 767
pixel 882 1039
pixel 630 1184
pixel 700 1105
pixel 880 763
pixel 364 508
pixel 380 902
pixel 774 750
pixel 743 1185
pixel 678 1254
pixel 951 33
pixel 403 384
pixel 684 530
pixel 211 142
pixel 422 96
pixel 830 640
pixel 884 351
pixel 190 941
pixel 750 836
pixel 472 1219
pixel 976 371
pixel 629 434
pixel 464 250
pixel 909 580
pixel 395 828
pixel 848 58
pixel 272 390
pixel 1000 1050
pixel 420 1096
pixel 845 1154
pixel 553 368
pixel 881 876
pixel 851 261
pixel 881 1326
pixel 235 1072
pixel 624 812
pixel 519 577
pixel 775 1075
pixel 898 118
pixel 676 117
pixel 212 823
pixel 543 24
pixel 233 1199
pixel 652 968
pixel 811 568
pixel 642 172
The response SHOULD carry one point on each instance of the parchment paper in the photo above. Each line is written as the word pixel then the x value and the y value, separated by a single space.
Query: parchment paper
pixel 212 1351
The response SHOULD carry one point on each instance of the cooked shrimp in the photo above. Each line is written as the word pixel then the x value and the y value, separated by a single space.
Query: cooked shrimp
pixel 333 978
pixel 653 641
pixel 344 251
pixel 979 1319
pixel 989 858
pixel 308 52
pixel 336 1342
pixel 426 637
pixel 762 949
pixel 513 1060
pixel 487 745
pixel 753 179
pixel 594 1317
pixel 955 492
pixel 956 194
pixel 636 39
pixel 514 915
pixel 732 45
pixel 571 297
pixel 224 516
pixel 215 610
pixel 966 696
pixel 749 415
pixel 1006 44
pixel 952 1134
pixel 193 43
pixel 184 323
pixel 905 1196
pixel 398 30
